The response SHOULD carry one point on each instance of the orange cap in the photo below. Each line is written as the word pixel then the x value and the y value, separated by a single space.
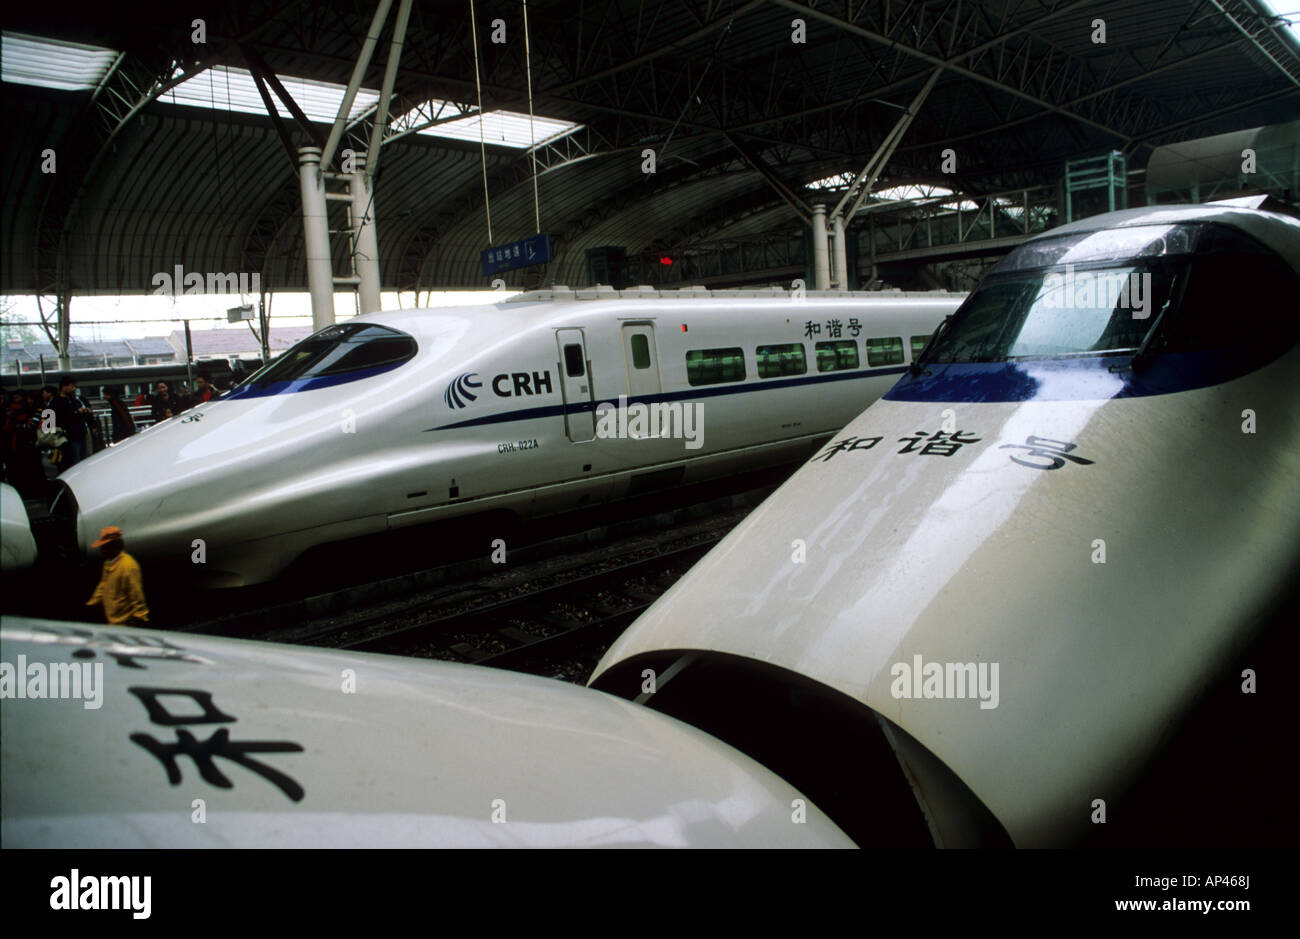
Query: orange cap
pixel 111 533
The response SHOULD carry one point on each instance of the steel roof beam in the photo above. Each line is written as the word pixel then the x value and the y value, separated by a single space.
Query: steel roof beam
pixel 256 63
pixel 386 93
pixel 1109 89
pixel 354 83
pixel 1273 48
pixel 936 60
pixel 755 161
pixel 865 179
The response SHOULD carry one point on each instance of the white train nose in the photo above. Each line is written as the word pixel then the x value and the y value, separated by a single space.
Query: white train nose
pixel 17 544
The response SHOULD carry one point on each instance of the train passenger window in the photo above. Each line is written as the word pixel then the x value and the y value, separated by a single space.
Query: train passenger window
pixel 640 351
pixel 837 355
pixel 886 351
pixel 574 367
pixel 713 366
pixel 918 344
pixel 775 361
pixel 338 350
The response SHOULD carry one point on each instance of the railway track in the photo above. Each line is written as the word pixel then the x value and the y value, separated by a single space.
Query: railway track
pixel 555 615
pixel 551 611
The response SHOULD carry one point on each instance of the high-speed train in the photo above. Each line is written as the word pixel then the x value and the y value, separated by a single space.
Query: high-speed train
pixel 546 402
pixel 17 545
pixel 979 615
pixel 128 738
pixel 1041 573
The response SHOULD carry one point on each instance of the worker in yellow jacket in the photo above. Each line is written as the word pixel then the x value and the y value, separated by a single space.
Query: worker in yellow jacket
pixel 121 586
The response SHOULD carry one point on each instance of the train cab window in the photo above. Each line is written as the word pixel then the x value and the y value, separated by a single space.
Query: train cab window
pixel 339 350
pixel 776 361
pixel 574 367
pixel 885 351
pixel 714 366
pixel 918 345
pixel 640 350
pixel 1089 293
pixel 1103 292
pixel 837 355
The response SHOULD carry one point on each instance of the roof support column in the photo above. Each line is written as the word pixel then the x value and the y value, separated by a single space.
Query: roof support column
pixel 821 268
pixel 358 70
pixel 316 235
pixel 386 93
pixel 64 313
pixel 840 255
pixel 365 242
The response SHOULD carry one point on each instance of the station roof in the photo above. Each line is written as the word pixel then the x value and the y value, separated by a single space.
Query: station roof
pixel 148 178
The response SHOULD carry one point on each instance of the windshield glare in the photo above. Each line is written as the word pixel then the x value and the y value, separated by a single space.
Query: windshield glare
pixel 1087 293
pixel 1060 311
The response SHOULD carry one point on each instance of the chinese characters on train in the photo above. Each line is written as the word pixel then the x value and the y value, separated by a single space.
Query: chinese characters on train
pixel 132 651
pixel 834 329
pixel 204 753
pixel 1042 453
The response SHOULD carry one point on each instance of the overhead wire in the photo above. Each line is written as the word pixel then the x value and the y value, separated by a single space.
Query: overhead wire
pixel 482 144
pixel 532 134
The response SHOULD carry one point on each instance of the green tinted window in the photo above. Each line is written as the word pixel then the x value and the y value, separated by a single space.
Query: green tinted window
pixel 775 361
pixel 713 366
pixel 837 355
pixel 640 351
pixel 918 344
pixel 885 351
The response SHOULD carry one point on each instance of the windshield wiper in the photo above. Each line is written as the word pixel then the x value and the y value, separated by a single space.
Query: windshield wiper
pixel 1138 361
pixel 915 368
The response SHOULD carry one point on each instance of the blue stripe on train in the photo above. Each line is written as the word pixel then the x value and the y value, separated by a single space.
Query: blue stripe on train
pixel 305 384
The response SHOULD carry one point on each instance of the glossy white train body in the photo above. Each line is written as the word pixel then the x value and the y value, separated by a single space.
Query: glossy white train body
pixel 17 546
pixel 414 416
pixel 292 747
pixel 1079 543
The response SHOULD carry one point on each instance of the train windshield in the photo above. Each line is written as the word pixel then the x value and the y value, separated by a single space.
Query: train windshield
pixel 1086 294
pixel 338 350
pixel 1146 288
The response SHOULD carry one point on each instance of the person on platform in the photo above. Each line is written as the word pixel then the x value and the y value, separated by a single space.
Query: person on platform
pixel 204 390
pixel 22 461
pixel 121 585
pixel 161 403
pixel 71 415
pixel 123 422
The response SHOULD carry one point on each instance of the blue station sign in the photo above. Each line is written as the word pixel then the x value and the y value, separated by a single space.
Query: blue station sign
pixel 535 249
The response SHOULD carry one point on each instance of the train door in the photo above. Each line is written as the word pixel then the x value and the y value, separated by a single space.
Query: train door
pixel 642 359
pixel 575 383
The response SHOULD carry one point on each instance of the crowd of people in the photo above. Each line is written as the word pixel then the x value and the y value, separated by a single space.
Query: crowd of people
pixel 59 423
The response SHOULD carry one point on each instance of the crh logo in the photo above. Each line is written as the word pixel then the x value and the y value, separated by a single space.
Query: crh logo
pixel 458 394
pixel 539 383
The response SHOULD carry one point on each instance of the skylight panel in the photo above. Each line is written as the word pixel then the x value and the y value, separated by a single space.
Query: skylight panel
pixel 233 89
pixel 500 128
pixel 1290 17
pixel 838 181
pixel 905 193
pixel 52 63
